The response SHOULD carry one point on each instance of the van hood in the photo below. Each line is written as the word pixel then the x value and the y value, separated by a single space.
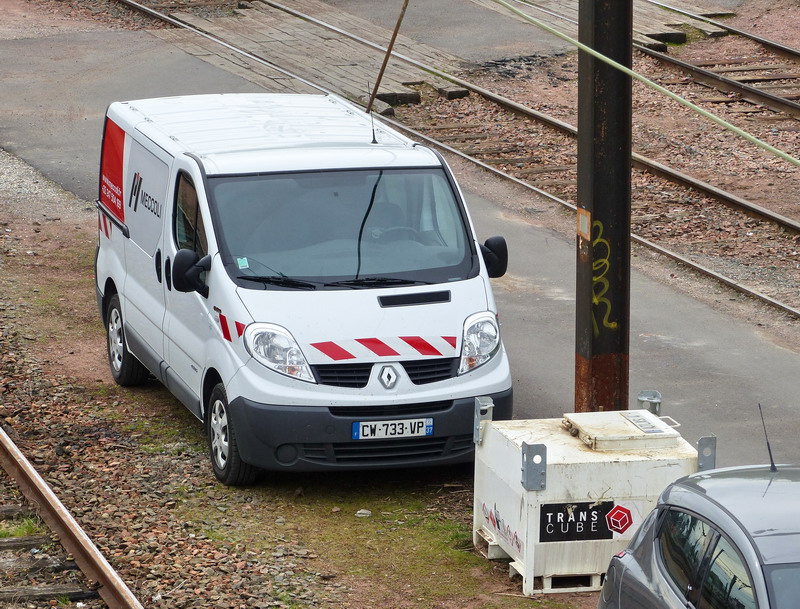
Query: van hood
pixel 372 325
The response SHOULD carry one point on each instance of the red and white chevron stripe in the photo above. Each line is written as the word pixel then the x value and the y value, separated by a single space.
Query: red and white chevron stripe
pixel 389 347
pixel 104 225
pixel 226 325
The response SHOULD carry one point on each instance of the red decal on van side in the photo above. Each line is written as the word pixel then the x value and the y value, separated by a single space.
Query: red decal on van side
pixel 111 170
pixel 223 325
pixel 239 329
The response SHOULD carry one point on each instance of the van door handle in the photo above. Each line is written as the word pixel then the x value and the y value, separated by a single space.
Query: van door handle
pixel 158 265
pixel 168 273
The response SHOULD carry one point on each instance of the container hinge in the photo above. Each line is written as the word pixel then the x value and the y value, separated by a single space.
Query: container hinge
pixel 483 412
pixel 534 467
pixel 706 453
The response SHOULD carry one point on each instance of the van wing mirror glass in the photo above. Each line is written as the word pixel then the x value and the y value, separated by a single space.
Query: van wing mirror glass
pixel 495 255
pixel 187 272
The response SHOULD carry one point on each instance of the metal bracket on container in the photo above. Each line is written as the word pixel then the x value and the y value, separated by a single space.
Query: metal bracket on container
pixel 483 412
pixel 534 467
pixel 706 453
pixel 650 399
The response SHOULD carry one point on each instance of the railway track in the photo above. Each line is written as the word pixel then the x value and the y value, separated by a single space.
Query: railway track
pixel 768 76
pixel 663 195
pixel 51 546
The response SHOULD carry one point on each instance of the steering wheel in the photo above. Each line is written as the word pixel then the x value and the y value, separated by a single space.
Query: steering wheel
pixel 394 233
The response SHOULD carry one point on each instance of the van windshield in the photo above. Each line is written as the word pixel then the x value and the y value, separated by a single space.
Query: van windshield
pixel 341 229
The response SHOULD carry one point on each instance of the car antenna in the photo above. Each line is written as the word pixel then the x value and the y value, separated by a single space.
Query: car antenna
pixel 372 120
pixel 772 467
pixel 371 117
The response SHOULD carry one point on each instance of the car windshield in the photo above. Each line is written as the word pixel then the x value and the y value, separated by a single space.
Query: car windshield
pixel 341 229
pixel 783 583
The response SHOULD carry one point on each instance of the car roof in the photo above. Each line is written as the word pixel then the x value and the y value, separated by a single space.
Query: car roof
pixel 764 503
pixel 247 132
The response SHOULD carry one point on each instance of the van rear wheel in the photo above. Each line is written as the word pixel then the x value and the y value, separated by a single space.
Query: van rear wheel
pixel 223 449
pixel 125 368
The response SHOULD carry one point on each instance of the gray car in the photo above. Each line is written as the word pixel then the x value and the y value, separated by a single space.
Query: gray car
pixel 722 539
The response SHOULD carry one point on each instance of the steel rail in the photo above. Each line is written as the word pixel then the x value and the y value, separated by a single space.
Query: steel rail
pixel 730 199
pixel 708 77
pixel 723 83
pixel 772 44
pixel 91 561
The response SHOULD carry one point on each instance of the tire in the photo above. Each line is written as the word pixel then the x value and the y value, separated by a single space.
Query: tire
pixel 222 446
pixel 125 368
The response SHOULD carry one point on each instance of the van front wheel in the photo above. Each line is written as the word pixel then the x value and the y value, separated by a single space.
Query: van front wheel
pixel 125 368
pixel 224 451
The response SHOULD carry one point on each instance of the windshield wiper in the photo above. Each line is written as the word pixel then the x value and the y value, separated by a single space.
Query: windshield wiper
pixel 376 282
pixel 280 280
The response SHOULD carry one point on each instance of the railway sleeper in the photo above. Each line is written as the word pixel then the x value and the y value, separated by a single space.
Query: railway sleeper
pixel 72 592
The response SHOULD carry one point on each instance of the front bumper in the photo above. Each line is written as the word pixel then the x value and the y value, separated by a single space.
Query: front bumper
pixel 313 438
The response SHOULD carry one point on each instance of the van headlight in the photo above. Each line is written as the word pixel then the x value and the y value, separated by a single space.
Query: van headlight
pixel 481 341
pixel 275 348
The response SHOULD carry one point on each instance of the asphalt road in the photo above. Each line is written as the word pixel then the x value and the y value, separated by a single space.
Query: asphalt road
pixel 712 369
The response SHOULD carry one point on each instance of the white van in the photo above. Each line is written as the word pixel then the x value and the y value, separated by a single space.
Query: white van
pixel 307 282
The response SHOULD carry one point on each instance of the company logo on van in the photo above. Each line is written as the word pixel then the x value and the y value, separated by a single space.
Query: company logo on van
pixel 388 377
pixel 138 195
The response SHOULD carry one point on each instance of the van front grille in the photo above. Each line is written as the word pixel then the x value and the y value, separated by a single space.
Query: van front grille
pixel 356 376
pixel 343 375
pixel 426 371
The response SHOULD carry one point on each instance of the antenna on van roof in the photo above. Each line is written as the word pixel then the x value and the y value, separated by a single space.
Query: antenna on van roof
pixel 371 118
pixel 772 467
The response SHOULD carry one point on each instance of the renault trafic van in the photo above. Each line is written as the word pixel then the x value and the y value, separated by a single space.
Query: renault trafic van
pixel 306 281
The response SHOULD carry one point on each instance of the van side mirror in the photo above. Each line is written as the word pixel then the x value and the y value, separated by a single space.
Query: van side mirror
pixel 187 272
pixel 495 255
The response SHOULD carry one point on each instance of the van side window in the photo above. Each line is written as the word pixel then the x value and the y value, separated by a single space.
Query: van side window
pixel 189 230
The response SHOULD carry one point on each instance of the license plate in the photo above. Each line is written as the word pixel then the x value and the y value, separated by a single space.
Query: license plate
pixel 405 428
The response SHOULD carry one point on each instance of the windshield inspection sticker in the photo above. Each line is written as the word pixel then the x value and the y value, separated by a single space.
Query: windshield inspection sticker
pixel 242 263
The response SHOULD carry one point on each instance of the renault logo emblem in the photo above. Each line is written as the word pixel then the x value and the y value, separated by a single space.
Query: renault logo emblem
pixel 388 377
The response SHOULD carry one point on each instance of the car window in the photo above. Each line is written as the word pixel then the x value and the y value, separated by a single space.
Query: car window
pixel 682 542
pixel 189 230
pixel 336 226
pixel 727 584
pixel 783 583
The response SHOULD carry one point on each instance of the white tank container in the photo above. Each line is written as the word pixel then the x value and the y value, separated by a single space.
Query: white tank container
pixel 558 497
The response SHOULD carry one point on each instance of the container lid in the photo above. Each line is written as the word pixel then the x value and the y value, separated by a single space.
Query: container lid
pixel 620 430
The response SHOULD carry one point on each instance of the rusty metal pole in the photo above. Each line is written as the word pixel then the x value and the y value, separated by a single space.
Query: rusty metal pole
pixel 604 208
pixel 386 57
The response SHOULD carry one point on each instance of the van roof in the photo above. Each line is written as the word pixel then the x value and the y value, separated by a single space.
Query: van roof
pixel 245 133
